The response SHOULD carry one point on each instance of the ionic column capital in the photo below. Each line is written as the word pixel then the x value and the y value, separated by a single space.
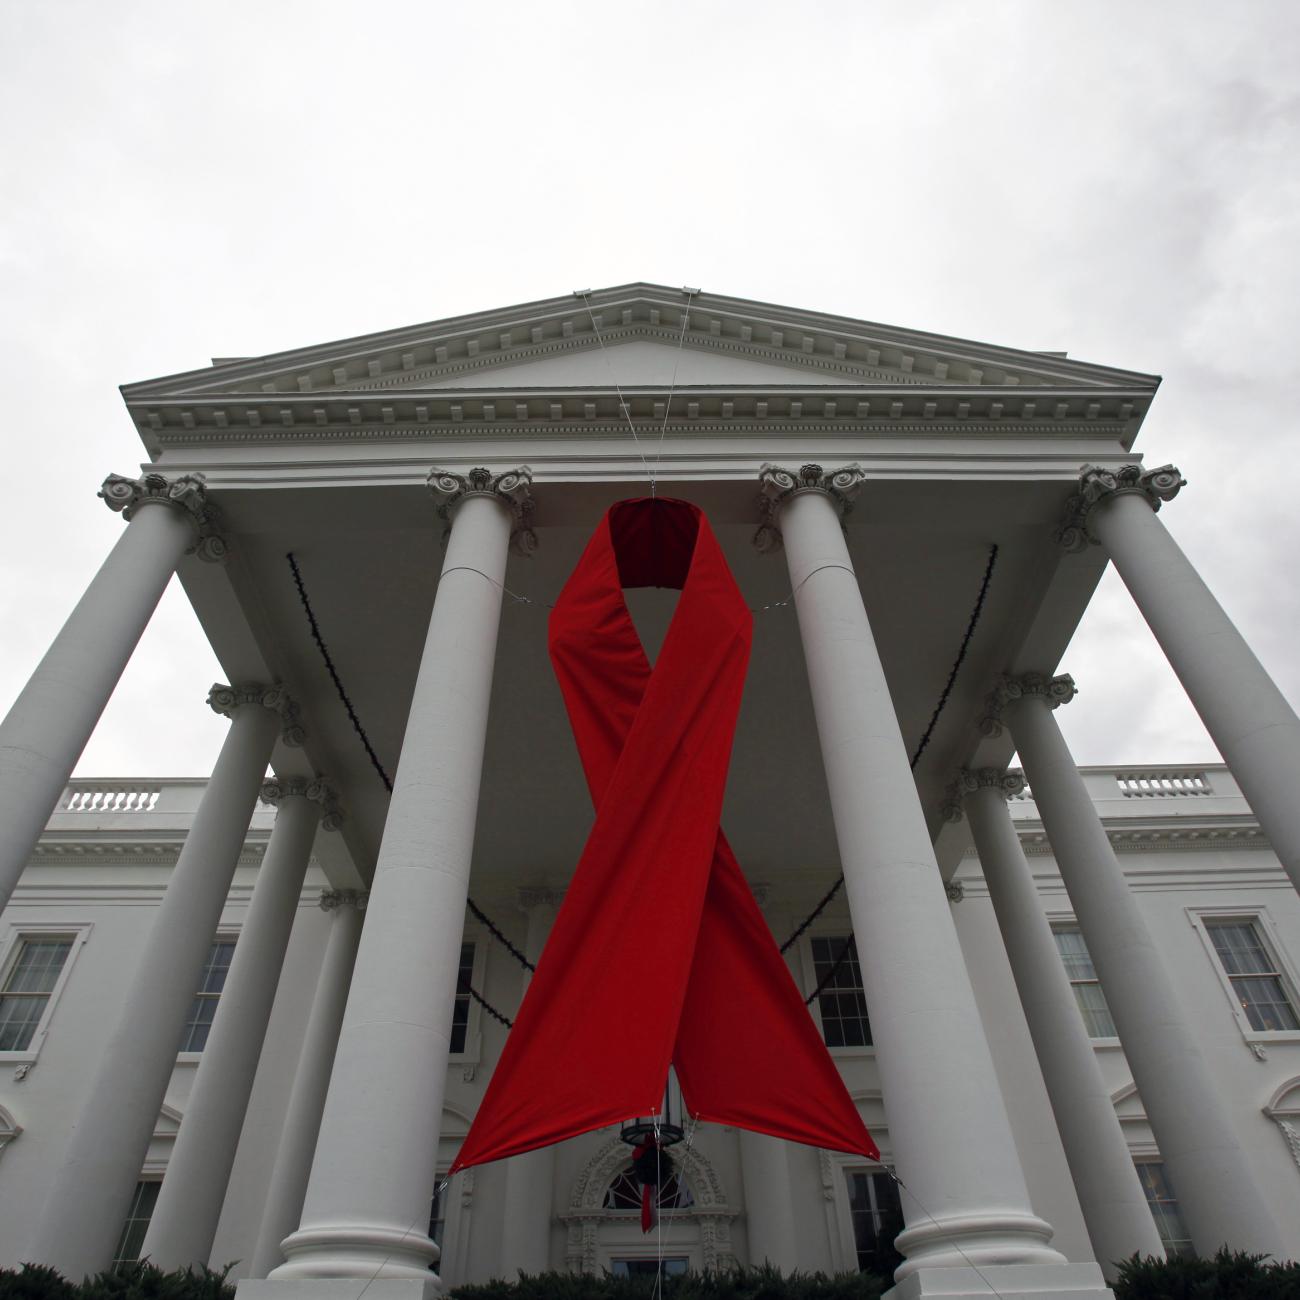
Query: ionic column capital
pixel 311 788
pixel 777 486
pixel 188 493
pixel 332 899
pixel 969 780
pixel 227 699
pixel 1054 690
pixel 1097 485
pixel 512 487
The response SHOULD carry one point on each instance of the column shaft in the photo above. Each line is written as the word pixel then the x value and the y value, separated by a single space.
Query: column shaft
pixel 366 1212
pixel 93 1187
pixel 1210 1172
pixel 530 1178
pixel 966 1199
pixel 50 722
pixel 189 1205
pixel 1114 1206
pixel 298 1134
pixel 769 1207
pixel 1249 719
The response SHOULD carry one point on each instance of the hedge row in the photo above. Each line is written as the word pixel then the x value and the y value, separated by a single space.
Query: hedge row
pixel 1229 1275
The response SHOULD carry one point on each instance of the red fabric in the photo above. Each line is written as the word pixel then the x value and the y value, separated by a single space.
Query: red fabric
pixel 659 953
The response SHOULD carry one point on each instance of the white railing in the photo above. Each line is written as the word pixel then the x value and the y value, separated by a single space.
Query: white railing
pixel 1163 785
pixel 110 797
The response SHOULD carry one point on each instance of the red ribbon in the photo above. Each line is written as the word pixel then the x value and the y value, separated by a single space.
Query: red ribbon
pixel 659 953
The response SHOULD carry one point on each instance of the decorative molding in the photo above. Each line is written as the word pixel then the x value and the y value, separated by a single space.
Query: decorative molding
pixel 226 699
pixel 530 896
pixel 187 493
pixel 311 788
pixel 1097 485
pixel 1055 690
pixel 10 1128
pixel 511 487
pixel 331 899
pixel 967 781
pixel 586 1210
pixel 955 890
pixel 777 486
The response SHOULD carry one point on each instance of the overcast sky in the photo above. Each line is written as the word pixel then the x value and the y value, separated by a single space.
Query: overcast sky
pixel 188 180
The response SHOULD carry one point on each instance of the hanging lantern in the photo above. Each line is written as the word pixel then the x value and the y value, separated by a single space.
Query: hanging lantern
pixel 666 1125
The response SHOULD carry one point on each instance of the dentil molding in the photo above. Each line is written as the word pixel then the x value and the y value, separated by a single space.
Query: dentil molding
pixel 1097 485
pixel 187 493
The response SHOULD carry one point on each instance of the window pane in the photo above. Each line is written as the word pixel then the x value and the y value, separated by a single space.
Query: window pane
pixel 1075 955
pixel 1083 979
pixel 1164 1207
pixel 1239 948
pixel 1253 974
pixel 877 1217
pixel 137 1222
pixel 1265 1003
pixel 460 1008
pixel 842 1004
pixel 1095 1012
pixel 26 993
pixel 203 1009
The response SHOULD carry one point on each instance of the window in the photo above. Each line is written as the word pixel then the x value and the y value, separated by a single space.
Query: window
pixel 842 1004
pixel 137 1221
pixel 25 994
pixel 460 1010
pixel 624 1193
pixel 1164 1208
pixel 674 1266
pixel 204 1007
pixel 437 1213
pixel 1253 974
pixel 877 1217
pixel 1083 979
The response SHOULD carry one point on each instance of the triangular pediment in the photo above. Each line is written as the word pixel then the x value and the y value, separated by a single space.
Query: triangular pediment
pixel 636 336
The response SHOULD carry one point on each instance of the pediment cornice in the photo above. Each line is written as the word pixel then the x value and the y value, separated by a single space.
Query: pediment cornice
pixel 461 350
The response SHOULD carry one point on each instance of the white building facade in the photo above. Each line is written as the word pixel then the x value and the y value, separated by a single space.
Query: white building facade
pixel 908 518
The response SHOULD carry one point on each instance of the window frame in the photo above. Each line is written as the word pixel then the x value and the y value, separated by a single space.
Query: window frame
pixel 1061 920
pixel 1201 918
pixel 226 934
pixel 146 1176
pixel 473 1051
pixel 836 1168
pixel 11 942
pixel 807 981
pixel 1149 1155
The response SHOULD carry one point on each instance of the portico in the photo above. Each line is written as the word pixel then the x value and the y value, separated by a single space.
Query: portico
pixel 434 486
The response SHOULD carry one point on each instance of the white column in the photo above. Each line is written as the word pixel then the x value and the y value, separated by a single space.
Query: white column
pixel 1209 1169
pixel 288 1182
pixel 189 1205
pixel 1249 719
pixel 94 1184
pixel 366 1214
pixel 1114 1206
pixel 48 726
pixel 965 1200
pixel 769 1206
pixel 530 1178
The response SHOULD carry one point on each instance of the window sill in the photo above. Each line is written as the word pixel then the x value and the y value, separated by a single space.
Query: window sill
pixel 1271 1035
pixel 1107 1044
pixel 852 1053
pixel 26 1057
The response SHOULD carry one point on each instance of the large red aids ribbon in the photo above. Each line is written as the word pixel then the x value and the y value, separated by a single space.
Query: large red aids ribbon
pixel 659 954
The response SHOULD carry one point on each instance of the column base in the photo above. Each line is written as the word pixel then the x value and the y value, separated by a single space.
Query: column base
pixel 339 1288
pixel 1009 1281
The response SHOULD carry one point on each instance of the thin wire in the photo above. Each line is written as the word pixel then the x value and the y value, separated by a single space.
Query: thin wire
pixel 672 387
pixel 659 1218
pixel 627 414
pixel 954 1244
pixel 405 1233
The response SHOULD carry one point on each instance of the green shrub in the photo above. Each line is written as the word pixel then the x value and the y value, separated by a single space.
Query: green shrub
pixel 1229 1275
pixel 765 1283
pixel 138 1281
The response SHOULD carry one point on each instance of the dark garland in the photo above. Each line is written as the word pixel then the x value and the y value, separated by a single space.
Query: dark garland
pixel 916 758
pixel 383 776
pixel 488 1007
